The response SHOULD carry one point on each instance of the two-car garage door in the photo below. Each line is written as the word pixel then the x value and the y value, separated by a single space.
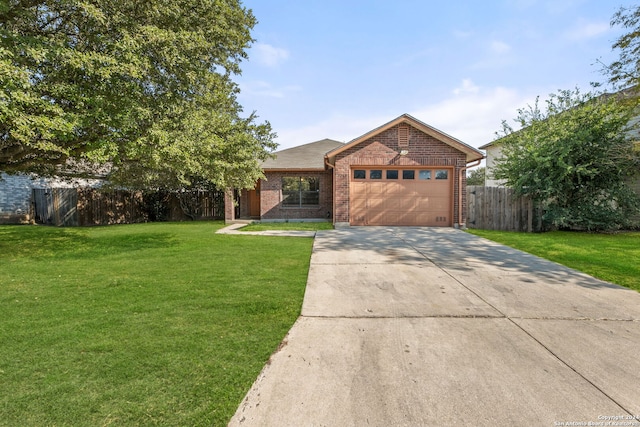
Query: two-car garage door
pixel 409 196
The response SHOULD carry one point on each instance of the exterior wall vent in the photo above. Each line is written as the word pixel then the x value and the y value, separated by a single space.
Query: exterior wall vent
pixel 403 136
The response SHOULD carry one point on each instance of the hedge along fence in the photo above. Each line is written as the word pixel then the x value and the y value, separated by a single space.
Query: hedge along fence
pixel 497 208
pixel 88 206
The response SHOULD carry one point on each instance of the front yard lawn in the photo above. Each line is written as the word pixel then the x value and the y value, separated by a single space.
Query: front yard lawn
pixel 611 257
pixel 147 324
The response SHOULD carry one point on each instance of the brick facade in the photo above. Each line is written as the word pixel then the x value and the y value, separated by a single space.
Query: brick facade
pixel 383 150
pixel 271 197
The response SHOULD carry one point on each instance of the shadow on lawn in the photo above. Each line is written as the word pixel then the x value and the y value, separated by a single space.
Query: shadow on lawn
pixel 24 241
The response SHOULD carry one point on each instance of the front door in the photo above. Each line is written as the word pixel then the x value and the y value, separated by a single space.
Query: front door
pixel 254 201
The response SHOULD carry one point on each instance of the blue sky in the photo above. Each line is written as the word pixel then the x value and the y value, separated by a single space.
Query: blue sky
pixel 339 68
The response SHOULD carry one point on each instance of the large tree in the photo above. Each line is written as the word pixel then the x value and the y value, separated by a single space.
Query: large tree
pixel 625 71
pixel 574 157
pixel 143 87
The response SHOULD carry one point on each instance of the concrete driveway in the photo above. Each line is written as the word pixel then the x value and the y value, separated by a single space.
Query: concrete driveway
pixel 436 327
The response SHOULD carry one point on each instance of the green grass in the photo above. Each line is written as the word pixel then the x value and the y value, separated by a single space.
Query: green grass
pixel 149 324
pixel 611 257
pixel 303 226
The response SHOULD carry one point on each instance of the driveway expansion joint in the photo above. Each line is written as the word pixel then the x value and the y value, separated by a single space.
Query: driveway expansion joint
pixel 572 368
pixel 574 319
pixel 426 316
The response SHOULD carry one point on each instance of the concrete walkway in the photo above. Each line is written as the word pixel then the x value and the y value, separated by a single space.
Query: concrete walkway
pixel 437 327
pixel 235 229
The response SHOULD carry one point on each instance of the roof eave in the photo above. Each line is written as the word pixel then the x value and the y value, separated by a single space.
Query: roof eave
pixel 472 153
pixel 293 169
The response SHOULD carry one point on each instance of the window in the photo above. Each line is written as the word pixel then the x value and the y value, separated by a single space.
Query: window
pixel 408 174
pixel 359 174
pixel 300 191
pixel 392 174
pixel 442 174
pixel 425 174
pixel 375 174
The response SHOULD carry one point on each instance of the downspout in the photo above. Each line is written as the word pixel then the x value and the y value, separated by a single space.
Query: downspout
pixel 462 171
pixel 333 190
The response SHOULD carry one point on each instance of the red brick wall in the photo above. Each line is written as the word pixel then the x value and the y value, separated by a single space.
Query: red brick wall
pixel 382 150
pixel 271 197
pixel 229 206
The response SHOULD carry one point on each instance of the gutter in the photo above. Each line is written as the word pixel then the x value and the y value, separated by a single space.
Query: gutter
pixel 328 166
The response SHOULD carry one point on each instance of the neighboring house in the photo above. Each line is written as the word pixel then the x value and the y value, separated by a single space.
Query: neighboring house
pixel 16 194
pixel 404 172
pixel 494 151
pixel 15 197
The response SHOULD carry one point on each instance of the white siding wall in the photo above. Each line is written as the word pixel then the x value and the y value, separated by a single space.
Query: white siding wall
pixel 493 152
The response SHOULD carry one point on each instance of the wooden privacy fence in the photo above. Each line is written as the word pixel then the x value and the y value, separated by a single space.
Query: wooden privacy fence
pixel 88 206
pixel 497 208
pixel 56 206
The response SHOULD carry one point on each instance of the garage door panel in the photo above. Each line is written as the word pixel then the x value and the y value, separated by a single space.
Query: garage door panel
pixel 401 202
pixel 433 203
pixel 359 204
pixel 392 188
pixel 376 203
pixel 406 203
pixel 375 188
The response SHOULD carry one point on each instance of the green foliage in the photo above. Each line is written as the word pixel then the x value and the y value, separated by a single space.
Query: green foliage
pixel 625 71
pixel 144 87
pixel 574 158
pixel 163 324
pixel 476 176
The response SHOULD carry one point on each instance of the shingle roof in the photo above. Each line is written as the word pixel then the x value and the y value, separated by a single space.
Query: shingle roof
pixel 307 156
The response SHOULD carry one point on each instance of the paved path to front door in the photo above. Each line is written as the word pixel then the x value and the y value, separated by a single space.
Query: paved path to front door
pixel 437 327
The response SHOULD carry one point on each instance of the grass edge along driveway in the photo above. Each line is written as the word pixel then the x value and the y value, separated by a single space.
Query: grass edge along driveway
pixel 614 258
pixel 145 324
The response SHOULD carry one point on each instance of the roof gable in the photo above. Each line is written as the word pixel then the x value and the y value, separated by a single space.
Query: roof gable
pixel 471 153
pixel 303 157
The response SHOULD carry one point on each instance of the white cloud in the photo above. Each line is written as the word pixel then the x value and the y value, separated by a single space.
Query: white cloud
pixel 461 34
pixel 337 127
pixel 587 30
pixel 268 55
pixel 496 57
pixel 264 89
pixel 474 116
pixel 467 87
pixel 499 47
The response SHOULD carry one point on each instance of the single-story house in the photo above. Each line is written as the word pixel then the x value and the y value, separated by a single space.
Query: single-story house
pixel 404 172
